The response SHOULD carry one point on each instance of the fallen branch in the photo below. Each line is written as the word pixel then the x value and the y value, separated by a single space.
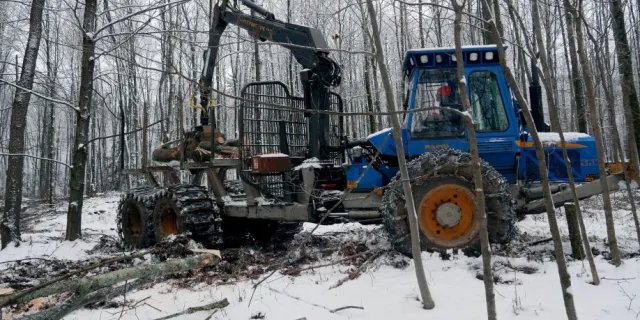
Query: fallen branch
pixel 297 271
pixel 296 298
pixel 356 274
pixel 78 301
pixel 255 286
pixel 346 307
pixel 25 259
pixel 315 304
pixel 539 242
pixel 98 288
pixel 618 279
pixel 211 306
pixel 26 295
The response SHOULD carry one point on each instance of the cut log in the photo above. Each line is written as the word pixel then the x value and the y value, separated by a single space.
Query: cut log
pixel 220 148
pixel 206 135
pixel 166 154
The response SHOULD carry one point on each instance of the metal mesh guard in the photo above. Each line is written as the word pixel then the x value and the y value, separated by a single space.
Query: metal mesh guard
pixel 260 122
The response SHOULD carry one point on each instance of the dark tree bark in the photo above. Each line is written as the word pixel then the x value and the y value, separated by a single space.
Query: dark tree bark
pixel 367 71
pixel 578 88
pixel 45 188
pixel 10 225
pixel 625 65
pixel 79 156
pixel 487 15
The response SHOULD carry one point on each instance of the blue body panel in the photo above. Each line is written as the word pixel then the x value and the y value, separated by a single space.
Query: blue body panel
pixel 505 150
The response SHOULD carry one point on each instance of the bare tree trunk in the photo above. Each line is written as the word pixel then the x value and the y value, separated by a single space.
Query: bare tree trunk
pixel 46 167
pixel 625 65
pixel 427 301
pixel 565 278
pixel 367 71
pixel 578 88
pixel 477 170
pixel 10 225
pixel 79 158
pixel 555 122
pixel 591 102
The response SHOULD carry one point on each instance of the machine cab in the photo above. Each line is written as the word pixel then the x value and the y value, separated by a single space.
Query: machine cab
pixel 432 81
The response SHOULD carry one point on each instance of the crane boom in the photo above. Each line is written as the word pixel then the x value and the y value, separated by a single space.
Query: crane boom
pixel 307 45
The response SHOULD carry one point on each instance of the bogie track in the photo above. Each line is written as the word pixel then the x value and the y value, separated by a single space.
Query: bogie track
pixel 166 211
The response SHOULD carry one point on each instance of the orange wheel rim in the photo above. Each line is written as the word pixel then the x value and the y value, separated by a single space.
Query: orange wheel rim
pixel 447 216
pixel 168 222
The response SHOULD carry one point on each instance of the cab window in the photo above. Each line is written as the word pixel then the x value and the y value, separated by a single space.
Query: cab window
pixel 487 107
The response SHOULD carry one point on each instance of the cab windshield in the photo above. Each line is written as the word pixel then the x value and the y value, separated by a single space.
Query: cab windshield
pixel 439 87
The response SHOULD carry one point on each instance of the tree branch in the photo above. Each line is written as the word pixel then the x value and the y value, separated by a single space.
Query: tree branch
pixel 126 133
pixel 137 13
pixel 20 296
pixel 34 157
pixel 39 95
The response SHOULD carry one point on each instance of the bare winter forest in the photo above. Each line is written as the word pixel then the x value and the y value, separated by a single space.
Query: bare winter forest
pixel 280 159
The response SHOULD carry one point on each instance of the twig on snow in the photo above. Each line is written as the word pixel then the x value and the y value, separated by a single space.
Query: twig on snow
pixel 618 279
pixel 299 299
pixel 255 286
pixel 533 243
pixel 346 307
pixel 356 274
pixel 211 306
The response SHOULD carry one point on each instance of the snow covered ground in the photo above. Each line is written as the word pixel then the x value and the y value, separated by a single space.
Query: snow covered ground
pixel 385 291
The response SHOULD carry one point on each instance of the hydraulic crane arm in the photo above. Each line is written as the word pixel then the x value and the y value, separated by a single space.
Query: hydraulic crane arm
pixel 307 45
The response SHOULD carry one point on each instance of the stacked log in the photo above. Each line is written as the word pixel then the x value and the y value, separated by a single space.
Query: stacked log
pixel 197 147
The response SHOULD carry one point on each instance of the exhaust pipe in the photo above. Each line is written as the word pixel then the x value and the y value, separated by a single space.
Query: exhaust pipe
pixel 535 99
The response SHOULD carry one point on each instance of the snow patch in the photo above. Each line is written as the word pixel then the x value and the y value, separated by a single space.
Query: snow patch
pixel 274 155
pixel 228 201
pixel 378 133
pixel 555 137
pixel 309 163
pixel 623 185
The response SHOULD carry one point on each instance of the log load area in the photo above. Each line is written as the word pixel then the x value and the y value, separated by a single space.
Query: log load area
pixel 196 146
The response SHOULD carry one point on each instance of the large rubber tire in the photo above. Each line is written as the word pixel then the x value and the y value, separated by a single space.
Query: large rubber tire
pixel 188 208
pixel 453 167
pixel 135 217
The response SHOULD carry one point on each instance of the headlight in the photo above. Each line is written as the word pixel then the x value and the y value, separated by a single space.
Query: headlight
pixel 356 151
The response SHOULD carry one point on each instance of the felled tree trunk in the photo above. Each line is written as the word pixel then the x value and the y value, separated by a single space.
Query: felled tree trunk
pixel 97 288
